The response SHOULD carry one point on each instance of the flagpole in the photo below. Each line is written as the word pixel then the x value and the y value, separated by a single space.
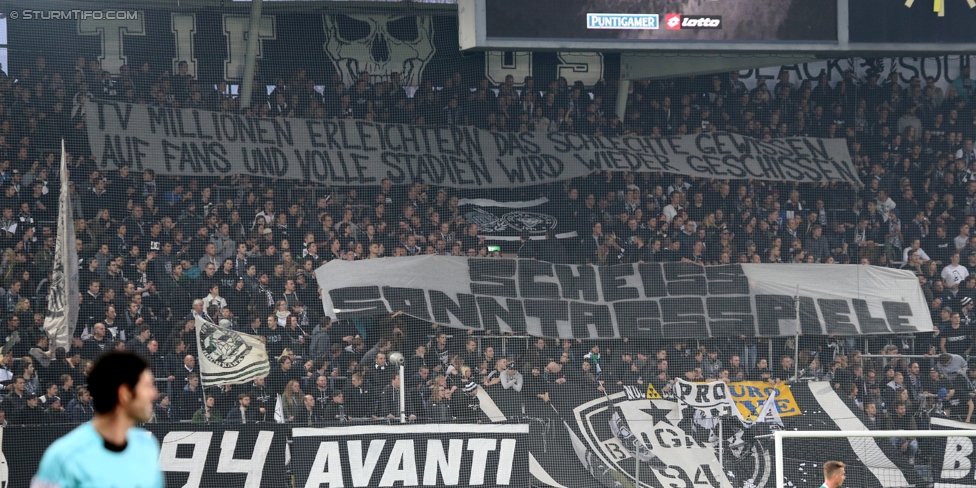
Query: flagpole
pixel 403 398
pixel 721 446
pixel 796 340
pixel 203 391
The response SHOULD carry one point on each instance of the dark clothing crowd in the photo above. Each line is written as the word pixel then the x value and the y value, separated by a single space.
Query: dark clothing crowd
pixel 158 251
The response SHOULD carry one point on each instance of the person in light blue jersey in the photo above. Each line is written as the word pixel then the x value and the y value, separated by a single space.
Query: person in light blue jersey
pixel 109 451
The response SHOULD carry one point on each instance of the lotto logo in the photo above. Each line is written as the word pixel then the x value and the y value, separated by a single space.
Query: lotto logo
pixel 672 21
pixel 678 22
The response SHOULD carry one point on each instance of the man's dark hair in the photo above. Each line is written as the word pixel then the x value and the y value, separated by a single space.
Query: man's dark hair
pixel 111 371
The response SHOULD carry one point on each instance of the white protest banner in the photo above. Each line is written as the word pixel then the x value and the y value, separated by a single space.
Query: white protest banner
pixel 637 301
pixel 194 142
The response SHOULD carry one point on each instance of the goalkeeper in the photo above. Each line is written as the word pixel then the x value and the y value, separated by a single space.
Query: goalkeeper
pixel 109 450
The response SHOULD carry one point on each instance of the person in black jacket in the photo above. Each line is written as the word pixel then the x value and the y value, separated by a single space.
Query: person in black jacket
pixel 527 248
pixel 335 411
pixel 870 417
pixel 851 400
pixel 417 361
pixel 191 397
pixel 281 375
pixel 81 410
pixel 237 298
pixel 388 404
pixel 244 413
pixel 320 387
pixel 54 413
pixel 261 396
pixel 357 397
pixel 164 411
pixel 311 414
pixel 32 413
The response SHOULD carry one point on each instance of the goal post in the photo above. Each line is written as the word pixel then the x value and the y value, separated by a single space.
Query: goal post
pixel 779 437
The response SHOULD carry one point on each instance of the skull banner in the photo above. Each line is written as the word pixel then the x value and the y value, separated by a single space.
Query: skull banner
pixel 379 45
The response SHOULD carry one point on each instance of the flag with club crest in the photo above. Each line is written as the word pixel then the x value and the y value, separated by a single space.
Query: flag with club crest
pixel 228 357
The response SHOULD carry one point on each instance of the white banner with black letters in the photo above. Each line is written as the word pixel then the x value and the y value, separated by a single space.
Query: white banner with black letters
pixel 710 400
pixel 195 142
pixel 637 301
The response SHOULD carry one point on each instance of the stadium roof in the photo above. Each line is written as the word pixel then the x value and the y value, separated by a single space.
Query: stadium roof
pixel 242 4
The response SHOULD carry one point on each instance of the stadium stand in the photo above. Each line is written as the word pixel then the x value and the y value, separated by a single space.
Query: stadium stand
pixel 157 250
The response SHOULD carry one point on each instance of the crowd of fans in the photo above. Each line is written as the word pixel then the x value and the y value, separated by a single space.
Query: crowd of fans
pixel 157 251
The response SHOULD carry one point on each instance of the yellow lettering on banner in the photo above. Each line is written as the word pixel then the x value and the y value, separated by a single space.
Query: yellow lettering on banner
pixel 749 397
pixel 652 393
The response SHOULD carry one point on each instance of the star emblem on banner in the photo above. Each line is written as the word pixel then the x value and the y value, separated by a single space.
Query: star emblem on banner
pixel 939 6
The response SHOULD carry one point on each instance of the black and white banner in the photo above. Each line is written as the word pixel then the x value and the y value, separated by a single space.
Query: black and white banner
pixel 191 455
pixel 358 152
pixel 710 400
pixel 958 466
pixel 944 70
pixel 636 301
pixel 661 451
pixel 411 455
pixel 506 221
pixel 591 440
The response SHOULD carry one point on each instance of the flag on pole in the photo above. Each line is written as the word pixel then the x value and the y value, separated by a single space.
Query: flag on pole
pixel 228 357
pixel 62 305
pixel 279 411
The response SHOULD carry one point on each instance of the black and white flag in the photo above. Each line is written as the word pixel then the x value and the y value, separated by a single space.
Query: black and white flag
pixel 62 304
pixel 506 221
pixel 710 400
pixel 228 357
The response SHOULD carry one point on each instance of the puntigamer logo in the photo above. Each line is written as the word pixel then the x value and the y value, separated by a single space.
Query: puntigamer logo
pixel 678 21
pixel 622 21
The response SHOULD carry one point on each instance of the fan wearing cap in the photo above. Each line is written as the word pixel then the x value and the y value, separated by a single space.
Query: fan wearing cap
pixel 54 413
pixel 32 413
pixel 468 407
pixel 937 386
pixel 966 310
